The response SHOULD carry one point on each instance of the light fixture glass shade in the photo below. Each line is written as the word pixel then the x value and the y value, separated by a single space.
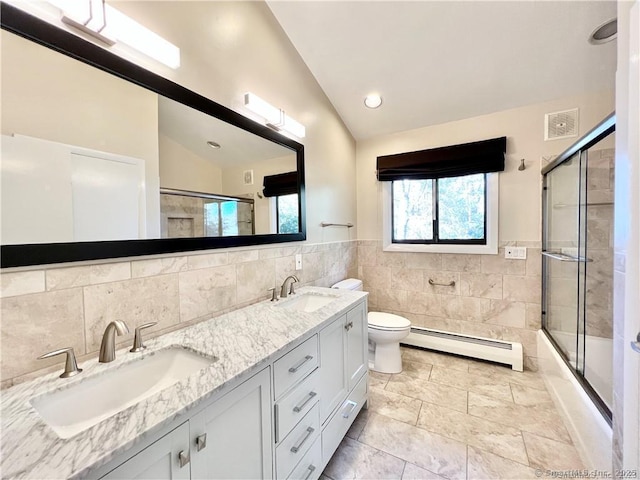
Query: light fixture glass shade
pixel 112 26
pixel 273 116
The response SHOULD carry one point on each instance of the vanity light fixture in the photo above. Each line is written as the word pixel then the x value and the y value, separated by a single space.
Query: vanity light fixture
pixel 111 26
pixel 373 100
pixel 274 117
pixel 213 144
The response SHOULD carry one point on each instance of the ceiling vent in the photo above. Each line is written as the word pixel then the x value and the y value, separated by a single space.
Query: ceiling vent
pixel 559 125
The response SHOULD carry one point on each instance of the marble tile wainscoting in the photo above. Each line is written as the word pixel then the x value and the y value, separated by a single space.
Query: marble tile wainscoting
pixel 51 308
pixel 493 297
pixel 446 417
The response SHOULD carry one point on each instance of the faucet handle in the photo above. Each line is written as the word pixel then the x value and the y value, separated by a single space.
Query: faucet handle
pixel 138 346
pixel 274 294
pixel 292 289
pixel 70 366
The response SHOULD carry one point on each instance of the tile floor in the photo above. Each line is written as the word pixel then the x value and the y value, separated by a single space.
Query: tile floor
pixel 446 417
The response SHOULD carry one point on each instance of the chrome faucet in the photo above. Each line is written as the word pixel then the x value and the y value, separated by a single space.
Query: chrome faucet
pixel 108 346
pixel 284 291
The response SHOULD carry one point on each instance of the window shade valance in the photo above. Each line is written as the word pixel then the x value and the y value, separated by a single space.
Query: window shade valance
pixel 453 161
pixel 280 184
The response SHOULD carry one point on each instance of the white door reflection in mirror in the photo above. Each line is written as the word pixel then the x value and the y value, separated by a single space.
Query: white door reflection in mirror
pixel 57 192
pixel 108 199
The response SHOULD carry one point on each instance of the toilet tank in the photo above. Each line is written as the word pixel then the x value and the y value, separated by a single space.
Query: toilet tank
pixel 349 284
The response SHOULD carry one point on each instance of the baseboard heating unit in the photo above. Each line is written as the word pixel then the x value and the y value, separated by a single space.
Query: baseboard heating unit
pixel 509 353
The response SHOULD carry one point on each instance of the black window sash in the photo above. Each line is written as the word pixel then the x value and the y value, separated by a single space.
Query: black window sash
pixel 436 238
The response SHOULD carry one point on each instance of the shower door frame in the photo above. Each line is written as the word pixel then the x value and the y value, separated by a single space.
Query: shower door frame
pixel 601 131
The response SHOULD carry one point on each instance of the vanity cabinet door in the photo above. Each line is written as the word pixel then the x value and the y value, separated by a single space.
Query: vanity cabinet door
pixel 333 382
pixel 160 460
pixel 232 437
pixel 357 345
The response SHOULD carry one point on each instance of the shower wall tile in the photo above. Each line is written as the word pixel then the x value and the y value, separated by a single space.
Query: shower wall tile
pixel 56 307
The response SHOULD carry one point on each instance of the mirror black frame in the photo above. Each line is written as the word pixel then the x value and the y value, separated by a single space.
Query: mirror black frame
pixel 32 28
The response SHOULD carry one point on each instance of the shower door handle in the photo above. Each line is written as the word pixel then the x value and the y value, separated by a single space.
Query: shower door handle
pixel 636 345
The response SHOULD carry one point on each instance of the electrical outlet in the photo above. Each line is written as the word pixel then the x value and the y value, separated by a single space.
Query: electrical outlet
pixel 519 253
pixel 299 261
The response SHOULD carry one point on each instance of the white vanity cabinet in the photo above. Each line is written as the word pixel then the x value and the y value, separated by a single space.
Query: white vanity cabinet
pixel 344 382
pixel 284 422
pixel 230 438
pixel 159 460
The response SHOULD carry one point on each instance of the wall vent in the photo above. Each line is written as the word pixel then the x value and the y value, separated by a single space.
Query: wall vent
pixel 559 125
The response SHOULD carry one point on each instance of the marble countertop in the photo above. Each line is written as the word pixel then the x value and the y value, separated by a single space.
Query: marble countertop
pixel 244 341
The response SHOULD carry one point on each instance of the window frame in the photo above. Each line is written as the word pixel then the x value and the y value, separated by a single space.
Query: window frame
pixel 488 247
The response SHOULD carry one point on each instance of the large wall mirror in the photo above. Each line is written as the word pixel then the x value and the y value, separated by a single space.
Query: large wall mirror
pixel 103 159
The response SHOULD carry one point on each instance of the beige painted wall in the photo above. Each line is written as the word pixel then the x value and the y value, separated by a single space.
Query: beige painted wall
pixel 182 169
pixel 520 205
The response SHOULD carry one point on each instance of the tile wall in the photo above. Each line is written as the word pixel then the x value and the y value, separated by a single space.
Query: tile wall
pixel 43 310
pixel 493 297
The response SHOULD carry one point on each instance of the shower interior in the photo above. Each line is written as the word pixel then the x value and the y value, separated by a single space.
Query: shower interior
pixel 578 260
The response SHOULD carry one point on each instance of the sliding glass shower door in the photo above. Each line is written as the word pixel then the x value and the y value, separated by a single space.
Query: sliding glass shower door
pixel 578 260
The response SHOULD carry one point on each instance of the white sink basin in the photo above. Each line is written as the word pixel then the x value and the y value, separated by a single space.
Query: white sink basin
pixel 81 406
pixel 308 302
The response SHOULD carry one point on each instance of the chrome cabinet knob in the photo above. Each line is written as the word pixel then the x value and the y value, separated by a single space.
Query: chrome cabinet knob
pixel 70 366
pixel 183 458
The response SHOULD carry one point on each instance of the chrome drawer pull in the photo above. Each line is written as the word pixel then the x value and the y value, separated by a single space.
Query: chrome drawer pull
pixel 353 406
pixel 348 326
pixel 311 470
pixel 300 406
pixel 201 442
pixel 295 448
pixel 302 362
pixel 183 458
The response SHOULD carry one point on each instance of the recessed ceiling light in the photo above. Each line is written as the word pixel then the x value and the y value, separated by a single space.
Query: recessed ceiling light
pixel 213 144
pixel 604 33
pixel 373 101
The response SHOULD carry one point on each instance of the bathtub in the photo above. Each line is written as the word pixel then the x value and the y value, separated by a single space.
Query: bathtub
pixel 589 430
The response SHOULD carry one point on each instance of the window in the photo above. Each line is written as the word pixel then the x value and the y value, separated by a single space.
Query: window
pixel 287 213
pixel 466 215
pixel 440 211
pixel 442 199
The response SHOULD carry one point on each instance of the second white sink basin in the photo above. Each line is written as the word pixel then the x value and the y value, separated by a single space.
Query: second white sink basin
pixel 308 302
pixel 85 404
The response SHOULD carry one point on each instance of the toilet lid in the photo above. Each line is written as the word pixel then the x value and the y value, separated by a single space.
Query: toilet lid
pixel 387 321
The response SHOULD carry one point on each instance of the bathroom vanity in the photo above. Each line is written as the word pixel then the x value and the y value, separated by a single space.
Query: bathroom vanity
pixel 281 384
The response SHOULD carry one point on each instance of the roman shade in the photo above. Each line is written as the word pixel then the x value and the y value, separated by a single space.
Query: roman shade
pixel 280 184
pixel 453 161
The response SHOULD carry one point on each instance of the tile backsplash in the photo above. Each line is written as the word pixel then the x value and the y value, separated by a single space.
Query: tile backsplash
pixel 43 310
pixel 492 297
pixel 56 307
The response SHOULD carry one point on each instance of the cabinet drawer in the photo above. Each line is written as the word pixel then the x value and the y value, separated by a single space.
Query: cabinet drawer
pixel 337 427
pixel 295 404
pixel 294 446
pixel 295 365
pixel 309 466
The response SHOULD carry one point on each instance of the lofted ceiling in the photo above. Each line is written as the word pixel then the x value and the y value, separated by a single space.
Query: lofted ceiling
pixel 435 62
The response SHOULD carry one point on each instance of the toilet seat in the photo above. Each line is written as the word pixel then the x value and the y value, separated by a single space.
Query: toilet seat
pixel 387 321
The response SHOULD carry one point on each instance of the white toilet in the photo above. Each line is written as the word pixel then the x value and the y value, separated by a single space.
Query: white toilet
pixel 385 333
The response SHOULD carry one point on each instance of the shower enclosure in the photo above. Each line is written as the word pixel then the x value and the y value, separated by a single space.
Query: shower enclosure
pixel 577 244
